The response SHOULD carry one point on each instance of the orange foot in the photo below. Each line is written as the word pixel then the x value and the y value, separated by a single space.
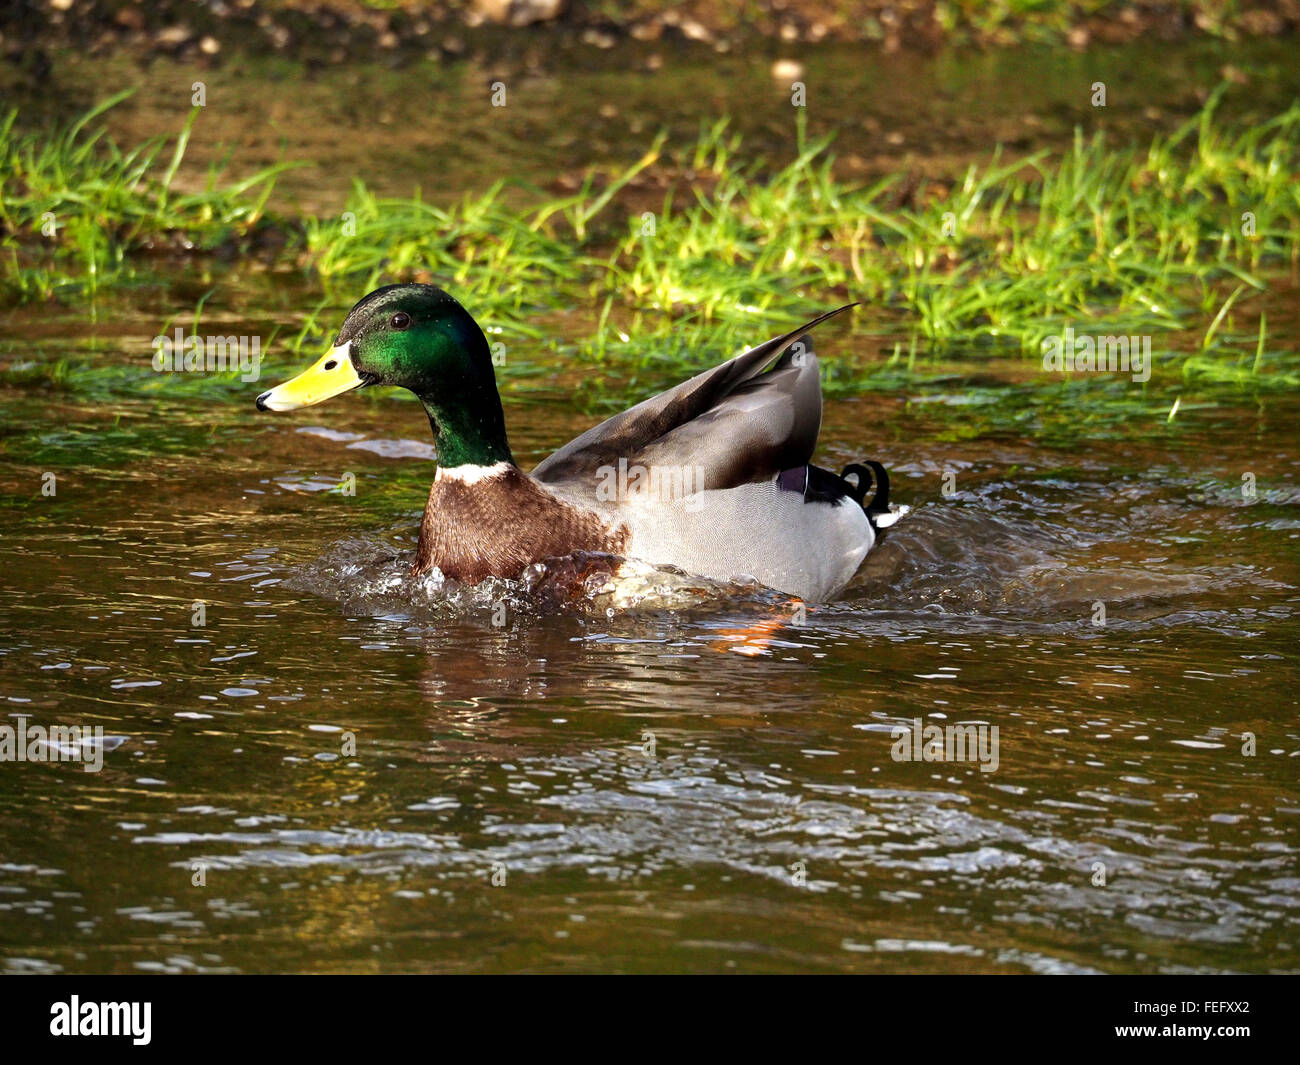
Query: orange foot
pixel 755 639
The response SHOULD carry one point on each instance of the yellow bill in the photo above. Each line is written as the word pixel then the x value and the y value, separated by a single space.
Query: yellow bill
pixel 331 376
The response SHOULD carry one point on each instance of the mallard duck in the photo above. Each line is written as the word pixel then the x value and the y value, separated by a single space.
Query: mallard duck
pixel 712 477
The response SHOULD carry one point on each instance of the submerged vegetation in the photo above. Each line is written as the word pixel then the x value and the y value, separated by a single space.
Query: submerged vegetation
pixel 690 253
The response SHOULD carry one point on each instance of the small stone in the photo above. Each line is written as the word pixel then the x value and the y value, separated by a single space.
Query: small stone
pixel 517 12
pixel 491 10
pixel 173 36
pixel 787 70
pixel 526 12
pixel 695 31
pixel 209 45
pixel 599 38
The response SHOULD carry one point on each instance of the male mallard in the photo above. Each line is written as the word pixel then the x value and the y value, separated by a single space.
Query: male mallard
pixel 712 476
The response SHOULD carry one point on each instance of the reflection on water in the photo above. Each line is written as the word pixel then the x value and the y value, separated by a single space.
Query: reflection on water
pixel 347 759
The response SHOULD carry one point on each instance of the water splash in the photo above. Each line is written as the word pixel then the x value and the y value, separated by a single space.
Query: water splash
pixel 369 576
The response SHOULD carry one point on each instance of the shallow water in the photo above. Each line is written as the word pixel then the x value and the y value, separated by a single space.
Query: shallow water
pixel 432 126
pixel 372 773
pixel 522 748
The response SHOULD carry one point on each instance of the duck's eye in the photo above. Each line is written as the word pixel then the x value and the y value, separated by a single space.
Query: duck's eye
pixel 400 320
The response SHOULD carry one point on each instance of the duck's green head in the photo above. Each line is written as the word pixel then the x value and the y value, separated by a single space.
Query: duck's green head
pixel 419 338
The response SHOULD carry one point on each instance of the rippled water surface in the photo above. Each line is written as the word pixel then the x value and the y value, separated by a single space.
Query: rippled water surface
pixel 705 785
pixel 374 773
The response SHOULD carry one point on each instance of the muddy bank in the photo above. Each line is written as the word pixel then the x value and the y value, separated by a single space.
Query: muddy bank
pixel 32 32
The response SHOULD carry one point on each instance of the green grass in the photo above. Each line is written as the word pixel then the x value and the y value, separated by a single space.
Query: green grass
pixel 74 206
pixel 1106 238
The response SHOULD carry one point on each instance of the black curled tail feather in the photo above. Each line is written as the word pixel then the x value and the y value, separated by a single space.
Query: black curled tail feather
pixel 868 475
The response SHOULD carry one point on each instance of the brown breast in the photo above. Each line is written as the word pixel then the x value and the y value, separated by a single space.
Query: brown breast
pixel 497 526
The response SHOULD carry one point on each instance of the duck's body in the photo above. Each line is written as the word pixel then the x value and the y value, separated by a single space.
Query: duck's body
pixel 494 521
pixel 712 477
pixel 777 535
